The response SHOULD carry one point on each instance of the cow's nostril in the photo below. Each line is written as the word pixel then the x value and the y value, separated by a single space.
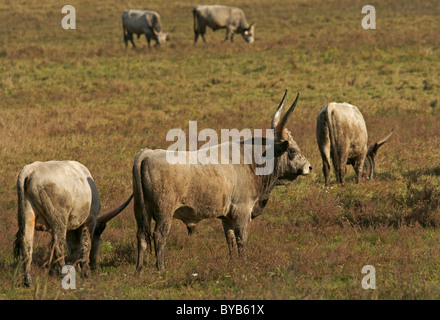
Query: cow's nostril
pixel 310 168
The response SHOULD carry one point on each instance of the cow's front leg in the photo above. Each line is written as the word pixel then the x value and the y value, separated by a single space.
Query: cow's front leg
pixel 229 33
pixel 358 167
pixel 230 235
pixel 147 36
pixel 241 231
pixel 86 246
pixel 73 246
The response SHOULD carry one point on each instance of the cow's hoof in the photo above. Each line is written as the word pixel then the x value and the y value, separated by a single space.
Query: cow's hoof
pixel 27 280
pixel 85 272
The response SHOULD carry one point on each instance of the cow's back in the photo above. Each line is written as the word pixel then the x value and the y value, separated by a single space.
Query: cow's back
pixel 62 188
pixel 348 128
pixel 217 16
pixel 139 21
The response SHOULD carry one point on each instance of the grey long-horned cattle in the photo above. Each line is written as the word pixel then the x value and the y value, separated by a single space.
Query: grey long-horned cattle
pixel 342 136
pixel 60 197
pixel 143 22
pixel 231 192
pixel 221 17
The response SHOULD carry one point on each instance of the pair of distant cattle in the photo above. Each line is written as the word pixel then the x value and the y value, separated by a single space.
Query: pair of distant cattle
pixel 216 17
pixel 61 196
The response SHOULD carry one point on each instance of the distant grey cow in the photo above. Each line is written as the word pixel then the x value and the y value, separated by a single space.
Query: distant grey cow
pixel 143 22
pixel 234 193
pixel 342 135
pixel 60 197
pixel 220 17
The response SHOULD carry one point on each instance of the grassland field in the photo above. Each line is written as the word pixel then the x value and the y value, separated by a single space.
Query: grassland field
pixel 81 95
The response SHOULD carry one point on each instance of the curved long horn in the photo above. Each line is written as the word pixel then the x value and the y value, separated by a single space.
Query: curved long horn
pixel 110 215
pixel 279 130
pixel 381 142
pixel 277 115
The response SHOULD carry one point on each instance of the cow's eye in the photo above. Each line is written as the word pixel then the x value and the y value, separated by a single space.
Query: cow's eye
pixel 292 153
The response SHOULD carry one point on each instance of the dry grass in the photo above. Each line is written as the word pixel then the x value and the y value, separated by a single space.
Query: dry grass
pixel 81 95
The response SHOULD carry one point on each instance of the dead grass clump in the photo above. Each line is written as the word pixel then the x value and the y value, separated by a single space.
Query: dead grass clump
pixel 423 205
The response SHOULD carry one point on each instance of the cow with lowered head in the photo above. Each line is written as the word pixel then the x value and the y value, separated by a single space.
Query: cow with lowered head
pixel 60 197
pixel 192 192
pixel 342 136
pixel 143 22
pixel 222 17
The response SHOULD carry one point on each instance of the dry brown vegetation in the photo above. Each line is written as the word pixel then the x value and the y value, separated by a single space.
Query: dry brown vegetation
pixel 79 94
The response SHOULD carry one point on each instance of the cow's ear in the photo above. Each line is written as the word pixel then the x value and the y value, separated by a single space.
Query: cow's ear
pixel 280 148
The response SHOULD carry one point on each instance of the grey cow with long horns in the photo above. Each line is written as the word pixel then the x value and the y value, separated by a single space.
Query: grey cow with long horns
pixel 342 136
pixel 60 197
pixel 233 193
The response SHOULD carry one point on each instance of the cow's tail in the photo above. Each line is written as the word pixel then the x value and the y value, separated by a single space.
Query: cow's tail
pixel 334 154
pixel 195 20
pixel 142 215
pixel 124 31
pixel 22 213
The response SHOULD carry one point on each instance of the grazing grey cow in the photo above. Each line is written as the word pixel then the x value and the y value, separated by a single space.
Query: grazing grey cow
pixel 60 197
pixel 143 22
pixel 220 17
pixel 342 135
pixel 234 193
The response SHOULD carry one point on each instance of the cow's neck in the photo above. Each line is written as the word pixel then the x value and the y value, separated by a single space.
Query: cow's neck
pixel 243 25
pixel 266 185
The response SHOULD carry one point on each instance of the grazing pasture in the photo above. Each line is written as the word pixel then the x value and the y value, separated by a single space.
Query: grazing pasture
pixel 82 95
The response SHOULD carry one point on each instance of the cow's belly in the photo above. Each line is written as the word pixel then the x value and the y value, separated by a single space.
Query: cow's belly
pixel 40 223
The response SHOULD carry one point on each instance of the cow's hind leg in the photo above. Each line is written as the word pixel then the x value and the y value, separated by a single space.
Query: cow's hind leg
pixel 342 168
pixel 196 35
pixel 162 228
pixel 325 155
pixel 58 241
pixel 24 245
pixel 202 31
pixel 129 36
pixel 143 235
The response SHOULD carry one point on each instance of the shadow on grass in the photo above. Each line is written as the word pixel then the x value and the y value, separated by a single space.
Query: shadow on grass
pixel 124 253
pixel 414 175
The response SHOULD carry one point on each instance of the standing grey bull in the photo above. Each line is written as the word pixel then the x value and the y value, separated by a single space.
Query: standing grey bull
pixel 233 193
pixel 143 22
pixel 220 17
pixel 342 135
pixel 60 197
